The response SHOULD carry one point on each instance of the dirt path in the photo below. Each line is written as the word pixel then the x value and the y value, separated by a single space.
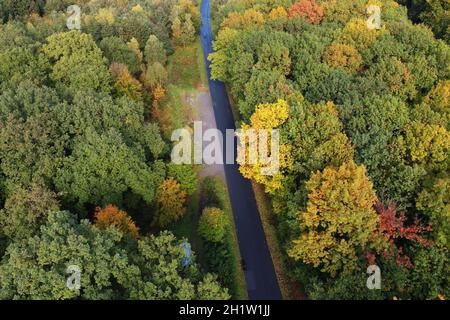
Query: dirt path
pixel 202 107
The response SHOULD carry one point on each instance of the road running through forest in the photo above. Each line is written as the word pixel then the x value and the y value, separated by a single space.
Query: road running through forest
pixel 259 271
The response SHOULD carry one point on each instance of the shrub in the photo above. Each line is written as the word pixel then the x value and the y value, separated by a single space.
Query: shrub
pixel 213 225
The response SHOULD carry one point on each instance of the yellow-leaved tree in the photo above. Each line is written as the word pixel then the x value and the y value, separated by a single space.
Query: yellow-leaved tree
pixel 428 145
pixel 249 18
pixel 439 97
pixel 278 13
pixel 170 204
pixel 266 118
pixel 339 221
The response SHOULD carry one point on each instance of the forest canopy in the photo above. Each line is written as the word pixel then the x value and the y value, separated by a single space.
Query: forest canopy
pixel 367 136
pixel 83 159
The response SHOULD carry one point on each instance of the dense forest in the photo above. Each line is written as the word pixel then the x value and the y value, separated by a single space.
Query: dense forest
pixel 85 178
pixel 86 117
pixel 364 120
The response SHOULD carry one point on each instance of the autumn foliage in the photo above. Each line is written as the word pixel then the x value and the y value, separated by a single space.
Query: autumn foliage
pixel 170 203
pixel 308 9
pixel 248 18
pixel 158 92
pixel 393 228
pixel 125 84
pixel 112 216
pixel 339 220
pixel 343 56
pixel 278 13
pixel 213 224
pixel 266 117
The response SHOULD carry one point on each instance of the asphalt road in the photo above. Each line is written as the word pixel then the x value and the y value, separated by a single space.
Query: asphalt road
pixel 259 274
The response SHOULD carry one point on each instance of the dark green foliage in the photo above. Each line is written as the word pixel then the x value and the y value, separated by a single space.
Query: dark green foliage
pixel 434 13
pixel 19 8
pixel 112 266
pixel 218 255
pixel 116 50
pixel 213 193
pixel 102 168
pixel 185 175
pixel 68 139
pixel 220 260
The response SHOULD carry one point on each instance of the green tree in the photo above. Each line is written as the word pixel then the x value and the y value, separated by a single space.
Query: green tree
pixel 111 268
pixel 100 112
pixel 19 64
pixel 375 126
pixel 156 75
pixel 26 210
pixel 430 275
pixel 213 225
pixel 434 202
pixel 186 176
pixel 435 13
pixel 188 30
pixel 32 141
pixel 213 192
pixel 77 63
pixel 19 8
pixel 315 133
pixel 102 168
pixel 116 50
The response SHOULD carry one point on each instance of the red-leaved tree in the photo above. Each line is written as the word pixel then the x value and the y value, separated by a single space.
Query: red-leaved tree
pixel 394 230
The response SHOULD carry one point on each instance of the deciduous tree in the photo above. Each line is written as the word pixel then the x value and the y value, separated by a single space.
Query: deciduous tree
pixel 154 51
pixel 150 268
pixel 112 216
pixel 117 51
pixel 434 202
pixel 343 56
pixel 339 221
pixel 308 9
pixel 213 225
pixel 26 209
pixel 185 175
pixel 77 62
pixel 265 118
pixel 170 203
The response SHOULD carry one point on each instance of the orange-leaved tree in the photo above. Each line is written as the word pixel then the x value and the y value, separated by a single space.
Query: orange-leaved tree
pixel 343 56
pixel 112 216
pixel 308 9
